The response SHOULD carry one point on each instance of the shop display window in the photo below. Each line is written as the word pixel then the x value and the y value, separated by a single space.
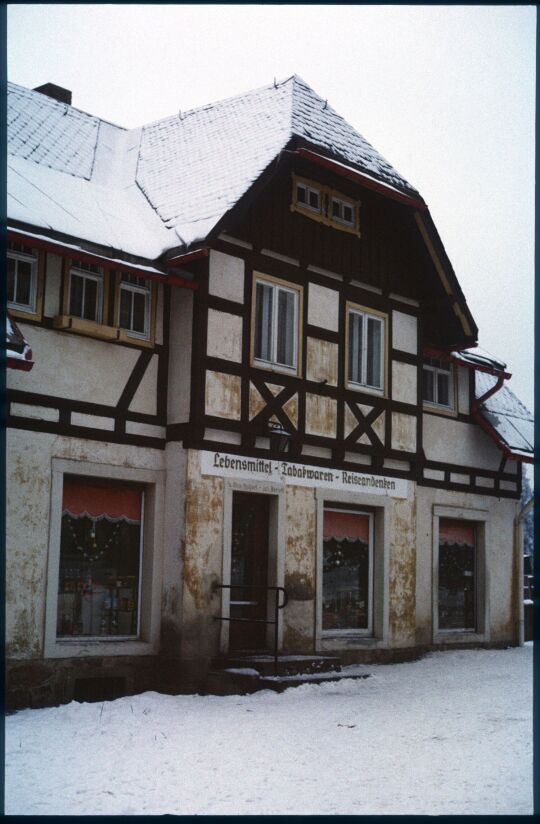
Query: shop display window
pixel 457 575
pixel 100 559
pixel 347 571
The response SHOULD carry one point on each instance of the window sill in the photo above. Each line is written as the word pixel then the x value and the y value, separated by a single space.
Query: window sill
pixel 68 648
pixel 125 337
pixel 369 390
pixel 86 327
pixel 459 636
pixel 274 367
pixel 22 314
pixel 433 409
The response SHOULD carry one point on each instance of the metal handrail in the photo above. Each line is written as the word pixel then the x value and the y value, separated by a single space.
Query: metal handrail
pixel 277 607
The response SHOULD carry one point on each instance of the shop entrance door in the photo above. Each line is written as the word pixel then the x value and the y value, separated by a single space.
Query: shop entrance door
pixel 249 568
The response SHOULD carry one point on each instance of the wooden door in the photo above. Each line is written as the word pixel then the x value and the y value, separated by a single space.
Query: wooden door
pixel 249 570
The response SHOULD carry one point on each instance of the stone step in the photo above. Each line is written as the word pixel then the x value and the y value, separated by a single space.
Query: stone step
pixel 286 665
pixel 245 681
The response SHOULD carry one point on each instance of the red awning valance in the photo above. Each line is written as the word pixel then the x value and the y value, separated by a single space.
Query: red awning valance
pixel 456 532
pixel 349 525
pixel 82 498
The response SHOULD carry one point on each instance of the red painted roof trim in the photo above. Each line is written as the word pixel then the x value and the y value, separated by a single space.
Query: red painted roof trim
pixel 432 352
pixel 187 257
pixel 363 179
pixel 16 363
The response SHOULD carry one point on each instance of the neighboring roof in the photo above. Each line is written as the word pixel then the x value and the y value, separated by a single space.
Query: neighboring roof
pixel 478 357
pixel 507 416
pixel 18 352
pixel 146 191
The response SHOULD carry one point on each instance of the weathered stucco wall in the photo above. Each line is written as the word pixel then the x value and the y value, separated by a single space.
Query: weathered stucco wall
pixel 300 569
pixel 499 514
pixel 173 550
pixel 402 571
pixel 28 501
pixel 203 559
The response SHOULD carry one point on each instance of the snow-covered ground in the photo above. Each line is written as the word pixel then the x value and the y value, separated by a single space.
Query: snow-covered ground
pixel 450 734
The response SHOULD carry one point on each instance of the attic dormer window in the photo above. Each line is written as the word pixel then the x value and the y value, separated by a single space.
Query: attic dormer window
pixel 308 196
pixel 343 211
pixel 325 205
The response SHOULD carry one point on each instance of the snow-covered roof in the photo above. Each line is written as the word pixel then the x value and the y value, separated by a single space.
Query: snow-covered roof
pixel 148 190
pixel 18 352
pixel 507 416
pixel 479 357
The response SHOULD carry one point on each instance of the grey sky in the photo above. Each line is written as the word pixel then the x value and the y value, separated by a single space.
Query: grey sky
pixel 445 93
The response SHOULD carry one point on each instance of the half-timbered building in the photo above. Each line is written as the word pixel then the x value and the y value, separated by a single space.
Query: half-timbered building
pixel 255 381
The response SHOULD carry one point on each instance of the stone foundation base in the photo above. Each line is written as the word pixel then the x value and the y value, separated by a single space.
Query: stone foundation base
pixel 39 683
pixel 46 683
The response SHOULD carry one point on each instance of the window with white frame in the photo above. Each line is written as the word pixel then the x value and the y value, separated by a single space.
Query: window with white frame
pixel 22 279
pixel 85 298
pixel 343 211
pixel 438 384
pixel 308 197
pixel 100 559
pixel 134 306
pixel 366 336
pixel 347 575
pixel 276 325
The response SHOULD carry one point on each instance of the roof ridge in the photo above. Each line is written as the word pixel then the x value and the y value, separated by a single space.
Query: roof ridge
pixel 196 109
pixel 56 103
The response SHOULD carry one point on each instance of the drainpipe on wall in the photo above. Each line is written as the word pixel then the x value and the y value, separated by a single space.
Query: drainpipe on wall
pixel 518 544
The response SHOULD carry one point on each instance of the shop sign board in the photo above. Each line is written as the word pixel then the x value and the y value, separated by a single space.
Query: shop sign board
pixel 284 472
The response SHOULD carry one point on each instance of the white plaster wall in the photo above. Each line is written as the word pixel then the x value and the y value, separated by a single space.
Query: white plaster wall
pixel 462 376
pixel 404 332
pixel 145 398
pixel 457 442
pixel 159 313
pixel 28 498
pixel 321 415
pixel 322 361
pixel 404 380
pixel 500 514
pixel 179 395
pixel 224 337
pixel 72 366
pixel 226 276
pixel 222 396
pixel 53 280
pixel 403 432
pixel 323 307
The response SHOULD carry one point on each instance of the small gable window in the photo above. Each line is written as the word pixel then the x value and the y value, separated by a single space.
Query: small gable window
pixel 438 384
pixel 308 196
pixel 366 345
pixel 276 325
pixel 325 205
pixel 343 211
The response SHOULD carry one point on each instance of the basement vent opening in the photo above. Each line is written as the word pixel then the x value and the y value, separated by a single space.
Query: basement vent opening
pixel 98 689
